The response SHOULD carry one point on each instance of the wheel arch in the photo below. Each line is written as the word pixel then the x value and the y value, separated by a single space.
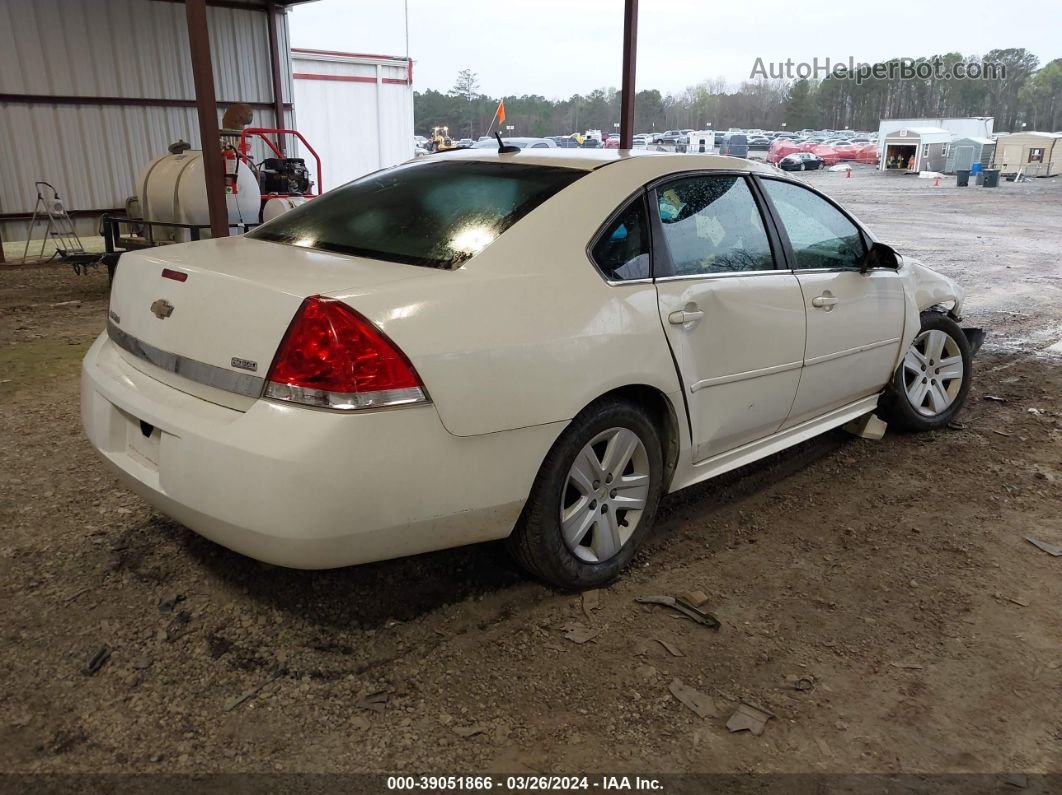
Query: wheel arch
pixel 664 416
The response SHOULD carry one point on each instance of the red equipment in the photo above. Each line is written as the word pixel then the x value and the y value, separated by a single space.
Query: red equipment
pixel 244 148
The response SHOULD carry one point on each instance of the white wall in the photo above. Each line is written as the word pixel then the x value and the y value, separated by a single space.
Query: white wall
pixel 355 110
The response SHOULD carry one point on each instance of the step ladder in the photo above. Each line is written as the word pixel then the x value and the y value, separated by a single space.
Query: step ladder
pixel 59 228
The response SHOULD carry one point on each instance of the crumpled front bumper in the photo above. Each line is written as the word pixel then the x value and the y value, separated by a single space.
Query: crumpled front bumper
pixel 976 338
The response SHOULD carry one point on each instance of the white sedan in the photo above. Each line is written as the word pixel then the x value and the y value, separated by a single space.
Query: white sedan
pixel 533 345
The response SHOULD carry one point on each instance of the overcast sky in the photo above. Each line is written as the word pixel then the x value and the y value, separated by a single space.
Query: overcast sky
pixel 558 48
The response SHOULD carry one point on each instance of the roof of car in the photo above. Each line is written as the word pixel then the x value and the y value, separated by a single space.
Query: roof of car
pixel 590 159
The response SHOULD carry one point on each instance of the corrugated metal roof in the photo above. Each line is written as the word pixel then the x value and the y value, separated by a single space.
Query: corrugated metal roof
pixel 115 48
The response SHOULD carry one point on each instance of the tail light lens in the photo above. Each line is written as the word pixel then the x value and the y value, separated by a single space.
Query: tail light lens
pixel 334 358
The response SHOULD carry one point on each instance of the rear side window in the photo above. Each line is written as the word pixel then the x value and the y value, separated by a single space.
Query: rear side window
pixel 436 215
pixel 622 251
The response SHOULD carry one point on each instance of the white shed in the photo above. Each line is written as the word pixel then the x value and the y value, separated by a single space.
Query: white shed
pixel 972 127
pixel 915 149
pixel 355 110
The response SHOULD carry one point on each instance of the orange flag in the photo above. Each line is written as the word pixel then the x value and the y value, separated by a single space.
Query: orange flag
pixel 500 112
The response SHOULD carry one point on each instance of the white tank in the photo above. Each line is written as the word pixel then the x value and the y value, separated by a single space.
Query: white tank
pixel 172 188
pixel 280 205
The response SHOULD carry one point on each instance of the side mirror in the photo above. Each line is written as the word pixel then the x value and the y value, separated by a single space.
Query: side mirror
pixel 880 256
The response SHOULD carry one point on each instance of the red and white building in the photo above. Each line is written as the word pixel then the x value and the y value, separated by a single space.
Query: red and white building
pixel 356 110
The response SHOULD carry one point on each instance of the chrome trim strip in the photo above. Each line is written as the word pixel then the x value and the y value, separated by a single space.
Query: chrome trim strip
pixel 746 375
pixel 849 351
pixel 192 369
pixel 345 401
pixel 724 275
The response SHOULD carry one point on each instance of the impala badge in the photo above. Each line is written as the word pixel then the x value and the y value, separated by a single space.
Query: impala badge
pixel 162 309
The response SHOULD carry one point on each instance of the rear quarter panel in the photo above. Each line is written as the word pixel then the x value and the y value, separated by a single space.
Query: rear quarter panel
pixel 528 332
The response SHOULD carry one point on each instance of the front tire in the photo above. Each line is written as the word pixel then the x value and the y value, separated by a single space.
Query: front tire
pixel 594 499
pixel 930 386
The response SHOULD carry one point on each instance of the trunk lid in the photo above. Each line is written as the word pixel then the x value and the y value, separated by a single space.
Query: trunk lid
pixel 211 325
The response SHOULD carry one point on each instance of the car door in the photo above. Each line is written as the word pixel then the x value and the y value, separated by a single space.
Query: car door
pixel 854 319
pixel 735 322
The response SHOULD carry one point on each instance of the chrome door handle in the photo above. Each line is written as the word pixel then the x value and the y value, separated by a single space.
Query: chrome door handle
pixel 682 316
pixel 825 301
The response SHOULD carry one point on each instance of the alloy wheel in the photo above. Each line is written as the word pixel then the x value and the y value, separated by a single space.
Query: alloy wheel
pixel 605 495
pixel 933 372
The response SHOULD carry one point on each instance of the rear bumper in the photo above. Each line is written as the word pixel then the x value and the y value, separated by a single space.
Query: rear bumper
pixel 301 487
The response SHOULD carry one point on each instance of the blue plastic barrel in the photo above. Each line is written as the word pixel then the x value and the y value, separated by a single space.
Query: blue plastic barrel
pixel 975 169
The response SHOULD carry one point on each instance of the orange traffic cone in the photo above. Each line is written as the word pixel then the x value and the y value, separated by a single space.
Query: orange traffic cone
pixel 848 173
pixel 936 182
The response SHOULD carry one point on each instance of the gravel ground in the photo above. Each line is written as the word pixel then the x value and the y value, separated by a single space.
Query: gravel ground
pixel 879 599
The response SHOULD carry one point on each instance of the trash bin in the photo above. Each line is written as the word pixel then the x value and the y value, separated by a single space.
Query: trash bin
pixel 962 178
pixel 991 177
pixel 979 178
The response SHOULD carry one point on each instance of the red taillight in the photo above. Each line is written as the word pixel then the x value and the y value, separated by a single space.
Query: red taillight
pixel 334 358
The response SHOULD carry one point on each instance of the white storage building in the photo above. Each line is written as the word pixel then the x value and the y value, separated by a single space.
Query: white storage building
pixel 355 110
pixel 915 149
pixel 972 127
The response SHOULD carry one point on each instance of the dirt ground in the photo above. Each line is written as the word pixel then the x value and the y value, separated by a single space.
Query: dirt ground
pixel 878 598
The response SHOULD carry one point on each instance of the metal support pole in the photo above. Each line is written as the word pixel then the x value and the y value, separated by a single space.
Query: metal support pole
pixel 206 106
pixel 630 52
pixel 274 65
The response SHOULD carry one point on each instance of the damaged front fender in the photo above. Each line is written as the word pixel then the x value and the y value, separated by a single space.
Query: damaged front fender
pixel 925 289
pixel 929 288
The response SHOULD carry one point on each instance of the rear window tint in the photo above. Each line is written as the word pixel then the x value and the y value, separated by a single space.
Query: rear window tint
pixel 436 215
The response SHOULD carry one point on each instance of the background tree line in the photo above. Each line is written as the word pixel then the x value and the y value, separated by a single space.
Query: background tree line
pixel 1029 94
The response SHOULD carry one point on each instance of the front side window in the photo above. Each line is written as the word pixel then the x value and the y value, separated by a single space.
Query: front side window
pixel 436 215
pixel 622 251
pixel 820 234
pixel 712 225
pixel 1036 155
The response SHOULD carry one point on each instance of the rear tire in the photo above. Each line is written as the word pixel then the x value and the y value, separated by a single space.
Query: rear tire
pixel 930 386
pixel 594 499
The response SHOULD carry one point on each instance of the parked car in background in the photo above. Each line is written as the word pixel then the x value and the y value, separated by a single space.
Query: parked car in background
pixel 827 153
pixel 846 151
pixel 759 143
pixel 801 161
pixel 781 147
pixel 481 345
pixel 734 145
pixel 868 154
pixel 612 142
pixel 520 142
pixel 670 137
pixel 564 141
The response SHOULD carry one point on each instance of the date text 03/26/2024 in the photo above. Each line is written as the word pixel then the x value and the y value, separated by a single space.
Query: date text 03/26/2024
pixel 522 783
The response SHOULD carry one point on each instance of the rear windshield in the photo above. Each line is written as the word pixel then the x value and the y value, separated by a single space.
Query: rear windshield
pixel 437 215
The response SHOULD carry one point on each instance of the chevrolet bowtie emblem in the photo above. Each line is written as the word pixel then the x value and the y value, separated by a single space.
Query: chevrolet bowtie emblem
pixel 162 309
